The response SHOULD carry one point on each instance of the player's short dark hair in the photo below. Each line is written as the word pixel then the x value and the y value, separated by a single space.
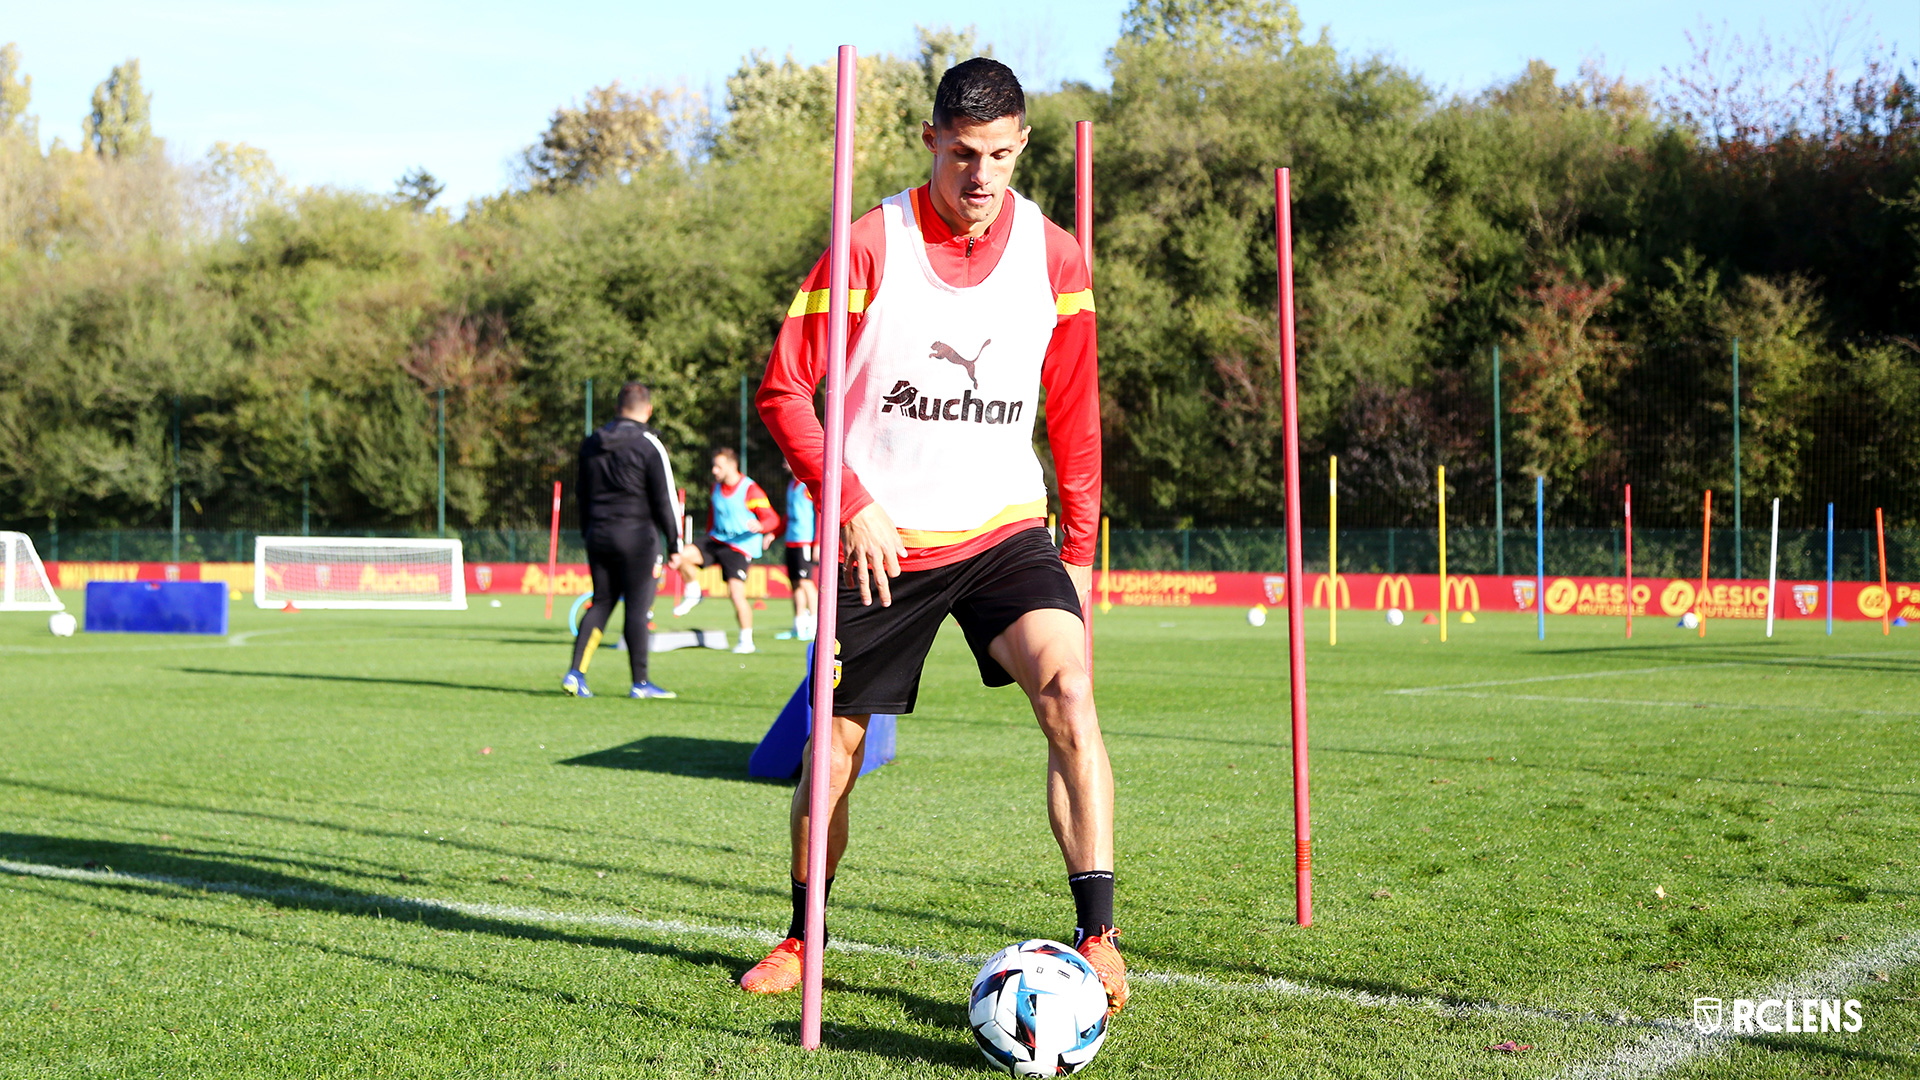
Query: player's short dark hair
pixel 981 89
pixel 633 395
pixel 729 453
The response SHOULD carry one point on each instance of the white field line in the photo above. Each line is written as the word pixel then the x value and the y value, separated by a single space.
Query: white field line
pixel 1665 669
pixel 515 913
pixel 228 642
pixel 1676 1041
pixel 1667 704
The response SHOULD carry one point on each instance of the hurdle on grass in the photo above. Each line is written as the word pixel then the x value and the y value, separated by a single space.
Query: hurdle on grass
pixel 1886 595
pixel 821 747
pixel 1629 562
pixel 553 547
pixel 1540 552
pixel 1296 615
pixel 1083 232
pixel 1706 545
pixel 1829 569
pixel 1443 554
pixel 1773 566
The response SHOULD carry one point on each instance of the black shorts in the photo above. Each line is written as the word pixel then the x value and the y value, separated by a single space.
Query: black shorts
pixel 731 561
pixel 799 563
pixel 883 649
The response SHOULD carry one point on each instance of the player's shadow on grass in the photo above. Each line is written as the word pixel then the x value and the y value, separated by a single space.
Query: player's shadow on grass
pixel 164 872
pixel 707 759
pixel 437 684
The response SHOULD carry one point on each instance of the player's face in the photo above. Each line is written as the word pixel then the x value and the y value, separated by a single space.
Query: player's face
pixel 723 470
pixel 972 165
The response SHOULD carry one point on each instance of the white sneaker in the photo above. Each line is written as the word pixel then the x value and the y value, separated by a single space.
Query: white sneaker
pixel 746 643
pixel 687 602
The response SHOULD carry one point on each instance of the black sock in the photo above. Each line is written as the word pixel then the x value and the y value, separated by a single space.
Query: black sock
pixel 797 928
pixel 1092 902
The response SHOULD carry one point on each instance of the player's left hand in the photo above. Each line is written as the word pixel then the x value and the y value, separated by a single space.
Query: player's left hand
pixel 1082 577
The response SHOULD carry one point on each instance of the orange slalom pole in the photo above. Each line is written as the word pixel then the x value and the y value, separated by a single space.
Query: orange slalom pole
pixel 1083 232
pixel 1880 532
pixel 1629 562
pixel 1706 543
pixel 553 548
pixel 1296 600
pixel 1443 554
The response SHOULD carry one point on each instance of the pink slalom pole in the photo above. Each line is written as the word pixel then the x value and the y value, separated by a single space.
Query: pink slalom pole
pixel 1083 232
pixel 1296 576
pixel 821 744
pixel 553 548
pixel 1629 561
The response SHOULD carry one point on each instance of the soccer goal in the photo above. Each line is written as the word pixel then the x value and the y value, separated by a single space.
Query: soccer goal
pixel 359 573
pixel 25 586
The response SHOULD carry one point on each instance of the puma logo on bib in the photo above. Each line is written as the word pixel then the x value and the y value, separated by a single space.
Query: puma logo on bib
pixel 944 351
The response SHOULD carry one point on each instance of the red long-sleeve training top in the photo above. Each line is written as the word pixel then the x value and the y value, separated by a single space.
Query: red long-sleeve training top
pixel 1069 374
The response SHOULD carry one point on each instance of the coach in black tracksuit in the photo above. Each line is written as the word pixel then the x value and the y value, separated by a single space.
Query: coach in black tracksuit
pixel 627 504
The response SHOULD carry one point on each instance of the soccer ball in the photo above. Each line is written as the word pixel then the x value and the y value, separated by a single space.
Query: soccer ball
pixel 1257 615
pixel 1395 616
pixel 1690 620
pixel 1038 1009
pixel 62 624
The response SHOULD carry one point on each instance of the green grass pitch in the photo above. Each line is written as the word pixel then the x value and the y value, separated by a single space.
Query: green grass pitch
pixel 289 853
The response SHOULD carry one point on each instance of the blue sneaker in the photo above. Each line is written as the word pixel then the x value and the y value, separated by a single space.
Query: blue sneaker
pixel 649 690
pixel 576 684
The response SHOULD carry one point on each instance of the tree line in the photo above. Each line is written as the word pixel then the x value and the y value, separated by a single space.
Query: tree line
pixel 1611 239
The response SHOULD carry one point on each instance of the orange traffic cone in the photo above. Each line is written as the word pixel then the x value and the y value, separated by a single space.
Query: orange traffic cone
pixel 1429 619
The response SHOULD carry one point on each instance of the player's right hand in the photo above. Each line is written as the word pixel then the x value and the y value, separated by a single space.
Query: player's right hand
pixel 873 551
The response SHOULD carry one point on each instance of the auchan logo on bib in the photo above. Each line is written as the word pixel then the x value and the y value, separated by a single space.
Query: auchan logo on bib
pixel 914 405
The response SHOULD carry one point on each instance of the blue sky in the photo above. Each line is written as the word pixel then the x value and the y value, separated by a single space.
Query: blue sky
pixel 355 92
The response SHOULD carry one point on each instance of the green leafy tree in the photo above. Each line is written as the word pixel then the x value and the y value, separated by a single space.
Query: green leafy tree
pixel 121 123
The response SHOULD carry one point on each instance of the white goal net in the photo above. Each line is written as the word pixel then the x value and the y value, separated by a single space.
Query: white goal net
pixel 358 573
pixel 25 586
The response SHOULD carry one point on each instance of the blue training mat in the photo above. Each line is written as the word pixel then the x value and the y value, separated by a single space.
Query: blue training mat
pixel 156 607
pixel 778 755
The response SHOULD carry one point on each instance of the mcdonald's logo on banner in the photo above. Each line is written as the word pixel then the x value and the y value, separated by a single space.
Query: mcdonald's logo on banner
pixel 1394 591
pixel 1459 589
pixel 1325 590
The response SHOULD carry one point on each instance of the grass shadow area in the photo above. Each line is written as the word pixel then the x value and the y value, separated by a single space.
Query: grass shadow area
pixel 369 680
pixel 675 755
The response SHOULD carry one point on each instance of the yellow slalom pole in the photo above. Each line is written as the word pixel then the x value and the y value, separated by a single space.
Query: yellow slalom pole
pixel 1333 551
pixel 1443 553
pixel 1106 568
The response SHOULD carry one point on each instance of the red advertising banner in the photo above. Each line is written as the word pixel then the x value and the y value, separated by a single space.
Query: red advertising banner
pixel 1487 592
pixel 1178 588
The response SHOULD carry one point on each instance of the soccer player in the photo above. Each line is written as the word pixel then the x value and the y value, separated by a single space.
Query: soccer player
pixel 625 492
pixel 965 301
pixel 802 521
pixel 739 521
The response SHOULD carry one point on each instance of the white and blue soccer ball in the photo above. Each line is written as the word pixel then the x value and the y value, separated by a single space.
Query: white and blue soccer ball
pixel 1257 615
pixel 1690 621
pixel 1038 1009
pixel 1395 616
pixel 62 624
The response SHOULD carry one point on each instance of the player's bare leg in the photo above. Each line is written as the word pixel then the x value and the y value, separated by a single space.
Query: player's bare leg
pixel 780 971
pixel 690 562
pixel 743 611
pixel 1045 652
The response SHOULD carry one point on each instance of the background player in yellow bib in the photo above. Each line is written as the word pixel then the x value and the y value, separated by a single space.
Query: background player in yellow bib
pixel 965 301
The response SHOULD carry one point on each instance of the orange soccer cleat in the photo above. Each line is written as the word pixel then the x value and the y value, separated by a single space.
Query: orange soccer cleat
pixel 1102 951
pixel 779 972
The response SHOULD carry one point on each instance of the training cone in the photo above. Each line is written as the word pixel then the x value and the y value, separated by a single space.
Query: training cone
pixel 1899 622
pixel 1429 620
pixel 1467 617
pixel 289 607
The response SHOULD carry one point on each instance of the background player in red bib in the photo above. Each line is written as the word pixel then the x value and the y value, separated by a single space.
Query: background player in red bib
pixel 965 300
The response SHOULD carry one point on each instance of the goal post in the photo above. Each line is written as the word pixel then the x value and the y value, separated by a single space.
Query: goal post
pixel 24 586
pixel 359 573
